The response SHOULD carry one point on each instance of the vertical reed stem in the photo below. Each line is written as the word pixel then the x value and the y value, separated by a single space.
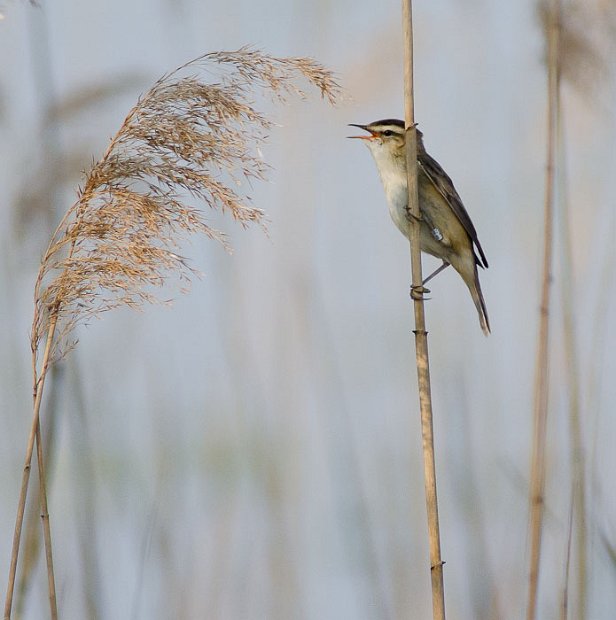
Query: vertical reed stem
pixel 421 335
pixel 578 457
pixel 537 482
pixel 34 434
pixel 51 581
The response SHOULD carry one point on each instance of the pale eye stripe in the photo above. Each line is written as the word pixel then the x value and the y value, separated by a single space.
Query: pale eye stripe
pixel 394 130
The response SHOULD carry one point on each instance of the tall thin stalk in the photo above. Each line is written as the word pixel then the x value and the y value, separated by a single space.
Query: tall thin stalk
pixel 577 451
pixel 564 605
pixel 537 477
pixel 183 139
pixel 421 335
pixel 39 384
pixel 51 579
pixel 33 541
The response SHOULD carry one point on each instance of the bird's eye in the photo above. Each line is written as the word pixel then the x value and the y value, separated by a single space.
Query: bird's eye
pixel 388 133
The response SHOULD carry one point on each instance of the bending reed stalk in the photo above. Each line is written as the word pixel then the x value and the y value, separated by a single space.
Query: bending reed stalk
pixel 51 580
pixel 34 436
pixel 184 139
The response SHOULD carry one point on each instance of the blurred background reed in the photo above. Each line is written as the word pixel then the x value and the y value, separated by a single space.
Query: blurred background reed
pixel 254 451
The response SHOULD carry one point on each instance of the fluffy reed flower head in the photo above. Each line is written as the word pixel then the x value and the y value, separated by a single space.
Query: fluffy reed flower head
pixel 184 138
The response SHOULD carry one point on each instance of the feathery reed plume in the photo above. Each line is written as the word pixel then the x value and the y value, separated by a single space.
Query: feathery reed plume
pixel 119 240
pixel 421 335
pixel 120 237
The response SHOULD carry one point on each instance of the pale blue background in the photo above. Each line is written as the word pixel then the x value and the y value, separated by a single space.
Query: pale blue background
pixel 254 451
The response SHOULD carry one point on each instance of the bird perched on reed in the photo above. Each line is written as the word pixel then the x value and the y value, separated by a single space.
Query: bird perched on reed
pixel 447 231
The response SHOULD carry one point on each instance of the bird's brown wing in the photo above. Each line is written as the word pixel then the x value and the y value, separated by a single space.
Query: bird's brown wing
pixel 445 187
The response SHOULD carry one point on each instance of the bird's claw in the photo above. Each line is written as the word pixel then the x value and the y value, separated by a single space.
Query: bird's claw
pixel 412 216
pixel 418 292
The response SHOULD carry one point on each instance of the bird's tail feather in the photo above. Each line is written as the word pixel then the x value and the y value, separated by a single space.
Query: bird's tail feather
pixel 475 289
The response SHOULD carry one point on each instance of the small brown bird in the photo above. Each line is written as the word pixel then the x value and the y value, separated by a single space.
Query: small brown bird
pixel 447 231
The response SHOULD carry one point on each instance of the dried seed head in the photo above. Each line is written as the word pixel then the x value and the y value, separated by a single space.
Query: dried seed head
pixel 120 238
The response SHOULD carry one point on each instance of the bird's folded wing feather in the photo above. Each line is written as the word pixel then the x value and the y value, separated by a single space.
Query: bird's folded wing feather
pixel 444 186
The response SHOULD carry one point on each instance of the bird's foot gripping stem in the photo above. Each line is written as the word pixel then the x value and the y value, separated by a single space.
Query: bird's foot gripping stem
pixel 418 292
pixel 412 216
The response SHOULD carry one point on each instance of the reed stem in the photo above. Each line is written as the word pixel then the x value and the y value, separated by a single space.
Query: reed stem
pixel 34 436
pixel 421 335
pixel 538 475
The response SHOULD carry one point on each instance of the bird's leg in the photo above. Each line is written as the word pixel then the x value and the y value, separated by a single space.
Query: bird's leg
pixel 417 292
pixel 436 272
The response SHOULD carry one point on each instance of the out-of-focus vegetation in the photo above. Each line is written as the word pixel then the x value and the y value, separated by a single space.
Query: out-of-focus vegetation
pixel 254 451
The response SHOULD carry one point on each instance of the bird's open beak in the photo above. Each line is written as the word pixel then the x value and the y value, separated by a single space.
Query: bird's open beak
pixel 372 136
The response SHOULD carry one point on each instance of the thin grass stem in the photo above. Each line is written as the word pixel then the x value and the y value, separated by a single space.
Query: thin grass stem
pixel 540 413
pixel 39 385
pixel 421 335
pixel 51 580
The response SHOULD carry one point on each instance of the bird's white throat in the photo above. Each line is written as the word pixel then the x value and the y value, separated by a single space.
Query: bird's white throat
pixel 392 171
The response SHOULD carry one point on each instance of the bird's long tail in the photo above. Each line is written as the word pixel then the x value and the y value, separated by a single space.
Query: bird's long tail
pixel 472 281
